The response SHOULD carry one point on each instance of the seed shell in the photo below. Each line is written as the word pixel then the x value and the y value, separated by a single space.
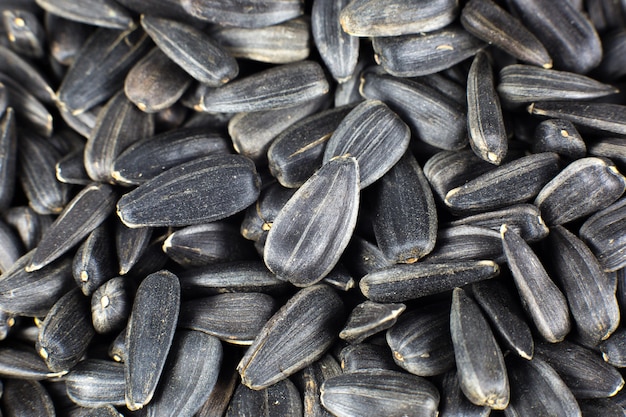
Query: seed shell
pixel 28 109
pixel 260 217
pixel 21 362
pixel 369 318
pixel 130 245
pixel 363 356
pixel 93 262
pixel 466 243
pixel 560 136
pixel 604 234
pixel 613 349
pixel 149 335
pixel 311 378
pixel 8 157
pixel 25 32
pixel 296 336
pixel 203 190
pixel 96 382
pixel 602 117
pixel 71 168
pixel 26 74
pixel 244 13
pixel 611 148
pixel 26 398
pixel 278 400
pixel 454 402
pixel 111 304
pixel 104 13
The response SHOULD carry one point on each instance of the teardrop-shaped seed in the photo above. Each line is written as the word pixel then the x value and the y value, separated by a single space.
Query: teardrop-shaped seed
pixel 505 314
pixel 527 83
pixel 312 230
pixel 433 117
pixel 66 332
pixel 191 372
pixel 480 364
pixel 338 49
pixel 200 191
pixel 379 392
pixel 111 304
pixel 589 291
pixel 613 349
pixel 26 398
pixel 130 245
pixel 26 74
pixel 96 382
pixel 405 218
pixel 94 260
pixel 582 370
pixel 364 356
pixel 466 243
pixel 87 210
pixel 566 32
pixel 279 87
pixel 369 318
pixel 149 335
pixel 104 13
pixel 374 135
pixel 8 157
pixel 604 234
pixel 28 109
pixel 100 67
pixel 146 158
pixel 491 23
pixel 155 82
pixel 71 168
pixel 364 17
pixel 543 301
pixel 192 50
pixel 403 282
pixel 28 224
pixel 117 349
pixel 420 342
pixel 537 390
pixel 25 32
pixel 244 13
pixel 583 187
pixel 279 400
pixel 560 136
pixel 296 336
pixel 511 183
pixel 234 318
pixel 425 53
pixel 454 402
pixel 602 117
pixel 485 125
pixel 21 362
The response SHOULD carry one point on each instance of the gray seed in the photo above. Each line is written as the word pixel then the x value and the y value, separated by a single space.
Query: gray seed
pixel 559 136
pixel 279 400
pixel 96 382
pixel 245 13
pixel 27 399
pixel 369 318
pixel 375 393
pixel 111 304
pixel 602 117
pixel 296 336
pixel 604 233
pixel 364 356
pixel 94 261
pixel 104 13
pixel 149 336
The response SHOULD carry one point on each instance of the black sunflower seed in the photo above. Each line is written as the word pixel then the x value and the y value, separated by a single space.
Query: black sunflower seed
pixel 104 13
pixel 96 382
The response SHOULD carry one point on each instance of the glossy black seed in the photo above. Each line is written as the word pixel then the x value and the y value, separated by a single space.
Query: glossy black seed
pixel 111 304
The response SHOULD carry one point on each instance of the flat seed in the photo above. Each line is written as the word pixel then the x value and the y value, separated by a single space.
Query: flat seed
pixel 363 356
pixel 454 402
pixel 403 282
pixel 369 318
pixel 314 227
pixel 111 304
pixel 200 191
pixel 602 117
pixel 234 318
pixel 26 398
pixel 339 50
pixel 66 332
pixel 96 382
pixel 71 168
pixel 279 400
pixel 86 211
pixel 94 261
pixel 282 86
pixel 485 125
pixel 104 13
pixel 604 234
pixel 491 23
pixel 296 336
pixel 420 341
pixel 428 53
pixel 149 336
pixel 560 136
pixel 246 13
pixel 192 50
pixel 379 392
pixel 583 187
pixel 130 245
pixel 543 301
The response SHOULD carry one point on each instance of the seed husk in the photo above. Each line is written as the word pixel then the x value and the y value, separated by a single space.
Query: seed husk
pixel 454 402
pixel 601 117
pixel 96 382
pixel 149 336
pixel 8 157
pixel 130 245
pixel 26 398
pixel 71 168
pixel 613 349
pixel 369 318
pixel 466 243
pixel 296 336
pixel 279 400
pixel 203 190
pixel 111 304
pixel 26 74
pixel 103 13
pixel 560 136
pixel 19 361
pixel 25 33
pixel 245 13
pixel 604 234
pixel 94 261
pixel 362 356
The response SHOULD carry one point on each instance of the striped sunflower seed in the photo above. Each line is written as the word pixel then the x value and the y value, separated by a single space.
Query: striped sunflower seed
pixel 583 187
pixel 279 400
pixel 310 380
pixel 613 44
pixel 244 13
pixel 27 75
pixel 611 148
pixel 296 336
pixel 96 382
pixel 130 245
pixel 38 403
pixel 111 304
pixel 604 234
pixel 363 356
pixel 613 349
pixel 65 37
pixel 600 117
pixel 363 257
pixel 71 168
pixel 94 260
pixel 543 301
pixel 103 13
pixel 379 392
pixel 466 243
pixel 314 227
pixel 260 217
pixel 19 361
pixel 560 136
pixel 223 390
pixel 28 109
pixel 149 336
pixel 200 191
pixel 369 318
pixel 454 402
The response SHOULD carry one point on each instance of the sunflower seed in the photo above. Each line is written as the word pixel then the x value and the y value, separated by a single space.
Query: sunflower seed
pixel 602 117
pixel 611 148
pixel 363 356
pixel 466 243
pixel 146 158
pixel 369 318
pixel 403 282
pixel 279 87
pixel 433 117
pixel 104 13
pixel 379 392
pixel 149 335
pixel 71 169
pixel 527 83
pixel 200 191
pixel 86 211
pixel 65 37
pixel 191 371
pixel 192 50
pixel 26 398
pixel 130 245
pixel 110 305
pixel 28 109
pixel 27 75
pixel 542 300
pixel 315 314
pixel 223 390
pixel 425 53
pixel 600 407
pixel 20 361
pixel 421 343
pixel 25 33
pixel 612 65
pixel 363 257
pixel 454 402
pixel 489 22
pixel 93 262
pixel 172 9
pixel 559 136
pixel 613 349
pixel 117 349
pixel 604 234
pixel 260 217
pixel 8 156
pixel 583 187
pixel 96 382
pixel 66 332
pixel 279 400
pixel 155 82
pixel 234 318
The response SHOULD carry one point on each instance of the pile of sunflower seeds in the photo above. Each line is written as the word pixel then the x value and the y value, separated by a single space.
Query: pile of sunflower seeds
pixel 312 208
